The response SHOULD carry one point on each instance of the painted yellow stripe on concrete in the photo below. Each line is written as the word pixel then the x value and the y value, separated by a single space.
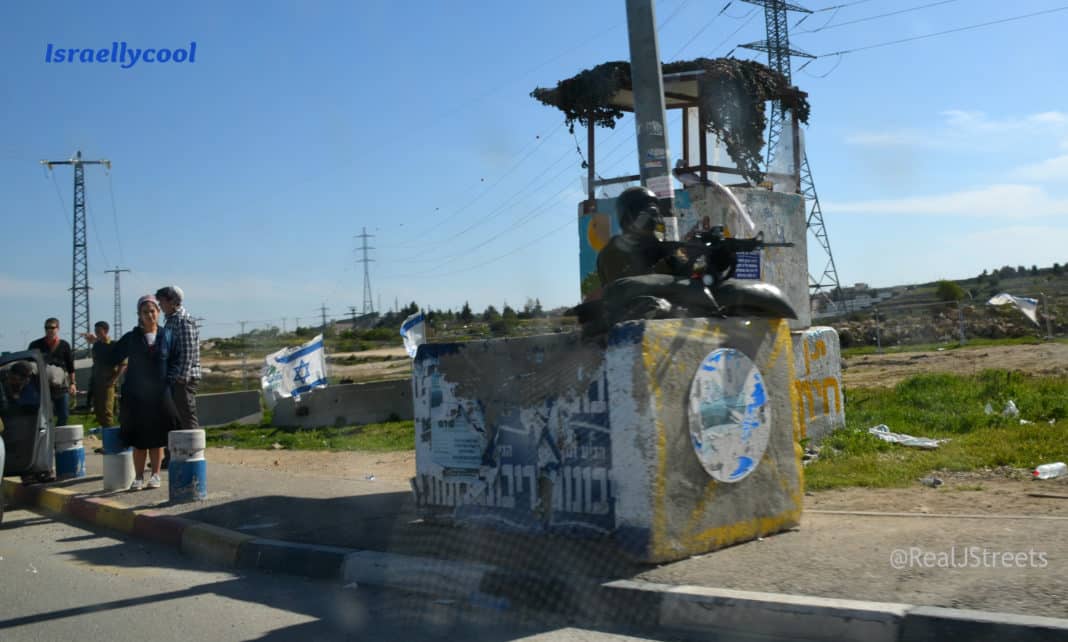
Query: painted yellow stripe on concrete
pixel 720 536
pixel 658 361
pixel 55 499
pixel 9 486
pixel 114 515
pixel 213 544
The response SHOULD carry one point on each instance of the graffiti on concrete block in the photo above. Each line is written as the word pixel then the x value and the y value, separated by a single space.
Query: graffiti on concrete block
pixel 546 466
pixel 818 387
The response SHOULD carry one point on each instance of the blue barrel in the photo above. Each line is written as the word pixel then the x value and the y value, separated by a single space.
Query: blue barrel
pixel 70 454
pixel 70 463
pixel 113 444
pixel 187 479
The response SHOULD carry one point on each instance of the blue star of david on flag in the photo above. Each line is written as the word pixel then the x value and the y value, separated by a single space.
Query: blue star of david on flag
pixel 302 372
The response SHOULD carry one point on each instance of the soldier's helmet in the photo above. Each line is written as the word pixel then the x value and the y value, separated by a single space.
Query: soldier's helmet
pixel 634 212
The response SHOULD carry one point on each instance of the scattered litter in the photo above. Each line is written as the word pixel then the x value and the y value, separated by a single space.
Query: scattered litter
pixel 277 446
pixel 882 431
pixel 229 448
pixel 932 481
pixel 1052 421
pixel 1050 471
pixel 812 453
pixel 32 569
pixel 760 539
pixel 988 409
pixel 1010 410
pixel 1047 495
pixel 352 586
pixel 1024 422
pixel 276 462
pixel 369 477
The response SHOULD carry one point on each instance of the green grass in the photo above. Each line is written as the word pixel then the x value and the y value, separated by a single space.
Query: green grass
pixel 389 436
pixel 929 347
pixel 944 406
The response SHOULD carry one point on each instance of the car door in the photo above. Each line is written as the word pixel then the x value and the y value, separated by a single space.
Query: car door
pixel 28 431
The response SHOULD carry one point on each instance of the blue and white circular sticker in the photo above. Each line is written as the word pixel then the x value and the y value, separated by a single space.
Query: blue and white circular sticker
pixel 730 418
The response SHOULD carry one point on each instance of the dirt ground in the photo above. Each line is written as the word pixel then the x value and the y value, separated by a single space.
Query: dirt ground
pixel 388 363
pixel 889 369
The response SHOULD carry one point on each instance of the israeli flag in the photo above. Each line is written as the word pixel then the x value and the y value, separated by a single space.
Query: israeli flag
pixel 1028 306
pixel 292 372
pixel 414 332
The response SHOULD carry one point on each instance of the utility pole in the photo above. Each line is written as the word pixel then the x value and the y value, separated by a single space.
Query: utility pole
pixel 283 325
pixel 777 46
pixel 352 313
pixel 323 309
pixel 79 303
pixel 368 303
pixel 244 356
pixel 118 301
pixel 647 84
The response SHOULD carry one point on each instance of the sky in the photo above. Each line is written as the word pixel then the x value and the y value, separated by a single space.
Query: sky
pixel 245 175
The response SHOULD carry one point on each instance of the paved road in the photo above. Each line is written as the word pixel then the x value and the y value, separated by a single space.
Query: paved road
pixel 61 582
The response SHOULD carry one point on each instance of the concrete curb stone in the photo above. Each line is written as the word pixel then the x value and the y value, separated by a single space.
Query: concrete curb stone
pixel 645 604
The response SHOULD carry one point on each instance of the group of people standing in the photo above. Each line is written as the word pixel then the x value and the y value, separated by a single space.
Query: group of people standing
pixel 162 370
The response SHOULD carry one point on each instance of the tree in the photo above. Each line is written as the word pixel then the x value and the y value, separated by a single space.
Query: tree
pixel 949 291
pixel 1034 270
pixel 490 314
pixel 509 313
pixel 466 315
pixel 1057 269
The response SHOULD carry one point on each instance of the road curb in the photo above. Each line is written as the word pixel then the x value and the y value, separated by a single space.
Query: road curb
pixel 816 619
pixel 648 605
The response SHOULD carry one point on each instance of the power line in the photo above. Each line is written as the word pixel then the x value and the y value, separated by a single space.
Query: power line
pixel 115 218
pixel 876 17
pixel 96 233
pixel 701 31
pixel 62 203
pixel 946 32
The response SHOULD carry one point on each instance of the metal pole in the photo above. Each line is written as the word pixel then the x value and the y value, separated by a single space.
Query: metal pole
pixel 878 333
pixel 960 321
pixel 647 83
pixel 244 356
pixel 1045 307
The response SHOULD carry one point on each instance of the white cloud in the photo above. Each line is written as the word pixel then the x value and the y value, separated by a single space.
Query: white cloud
pixel 964 128
pixel 1051 169
pixel 1002 201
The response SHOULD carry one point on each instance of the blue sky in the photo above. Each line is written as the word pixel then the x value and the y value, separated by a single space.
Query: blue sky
pixel 244 176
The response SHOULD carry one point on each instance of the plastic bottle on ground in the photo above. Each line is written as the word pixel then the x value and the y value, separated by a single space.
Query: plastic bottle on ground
pixel 1050 471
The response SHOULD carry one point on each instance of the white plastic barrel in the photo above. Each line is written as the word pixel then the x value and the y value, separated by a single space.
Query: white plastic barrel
pixel 118 470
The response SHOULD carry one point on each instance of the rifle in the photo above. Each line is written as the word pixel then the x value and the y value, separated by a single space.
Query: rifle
pixel 717 257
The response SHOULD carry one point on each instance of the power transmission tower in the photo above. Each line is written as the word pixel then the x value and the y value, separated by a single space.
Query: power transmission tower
pixel 777 46
pixel 368 303
pixel 79 303
pixel 323 309
pixel 118 301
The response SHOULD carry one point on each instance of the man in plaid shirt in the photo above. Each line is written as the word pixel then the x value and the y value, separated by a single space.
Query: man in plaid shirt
pixel 183 358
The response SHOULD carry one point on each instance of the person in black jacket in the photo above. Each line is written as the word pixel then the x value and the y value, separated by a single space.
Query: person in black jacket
pixel 57 353
pixel 146 412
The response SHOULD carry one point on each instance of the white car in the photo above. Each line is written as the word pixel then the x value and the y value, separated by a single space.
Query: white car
pixel 29 432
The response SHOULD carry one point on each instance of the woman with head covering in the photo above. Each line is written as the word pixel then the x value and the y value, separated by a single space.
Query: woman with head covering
pixel 146 412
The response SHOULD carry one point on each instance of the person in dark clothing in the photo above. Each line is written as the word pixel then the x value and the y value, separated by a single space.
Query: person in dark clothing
pixel 146 411
pixel 57 353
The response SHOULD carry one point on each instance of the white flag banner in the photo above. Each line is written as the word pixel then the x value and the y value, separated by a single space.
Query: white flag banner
pixel 1028 306
pixel 414 332
pixel 291 372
